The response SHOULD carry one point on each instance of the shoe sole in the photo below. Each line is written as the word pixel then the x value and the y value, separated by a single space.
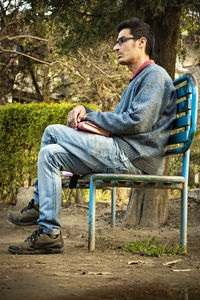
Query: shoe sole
pixel 37 251
pixel 10 218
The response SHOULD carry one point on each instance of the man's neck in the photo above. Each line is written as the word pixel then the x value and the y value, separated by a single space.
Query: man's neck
pixel 135 66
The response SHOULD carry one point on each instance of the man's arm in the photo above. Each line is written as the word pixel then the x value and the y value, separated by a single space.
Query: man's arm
pixel 142 110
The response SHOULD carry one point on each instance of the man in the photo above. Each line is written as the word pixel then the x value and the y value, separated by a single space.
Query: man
pixel 140 127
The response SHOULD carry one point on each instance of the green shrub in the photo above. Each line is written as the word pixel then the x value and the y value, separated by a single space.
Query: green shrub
pixel 21 129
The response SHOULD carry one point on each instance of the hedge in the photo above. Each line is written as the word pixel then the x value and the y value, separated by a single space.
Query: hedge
pixel 21 129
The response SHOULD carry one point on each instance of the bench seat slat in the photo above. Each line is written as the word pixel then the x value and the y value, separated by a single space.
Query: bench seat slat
pixel 129 180
pixel 178 138
pixel 124 177
pixel 181 122
pixel 183 91
pixel 143 185
pixel 136 178
pixel 184 106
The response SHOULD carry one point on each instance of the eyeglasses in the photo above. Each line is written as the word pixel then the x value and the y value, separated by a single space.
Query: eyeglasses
pixel 123 39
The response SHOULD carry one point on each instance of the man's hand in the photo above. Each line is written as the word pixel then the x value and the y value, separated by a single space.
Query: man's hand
pixel 75 116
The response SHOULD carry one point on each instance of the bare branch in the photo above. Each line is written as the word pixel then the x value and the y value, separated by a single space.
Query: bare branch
pixel 110 76
pixel 8 4
pixel 72 69
pixel 45 62
pixel 25 55
pixel 23 36
pixel 1 6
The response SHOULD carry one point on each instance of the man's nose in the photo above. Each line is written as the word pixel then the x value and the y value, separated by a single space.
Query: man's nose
pixel 116 47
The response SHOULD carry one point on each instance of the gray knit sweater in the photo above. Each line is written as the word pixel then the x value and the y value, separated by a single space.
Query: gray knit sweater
pixel 143 118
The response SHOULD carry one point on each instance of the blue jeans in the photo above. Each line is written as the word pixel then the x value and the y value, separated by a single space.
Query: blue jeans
pixel 79 152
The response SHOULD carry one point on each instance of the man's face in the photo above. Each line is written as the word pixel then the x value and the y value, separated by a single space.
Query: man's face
pixel 128 51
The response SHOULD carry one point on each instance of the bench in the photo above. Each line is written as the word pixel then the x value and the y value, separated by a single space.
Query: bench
pixel 181 137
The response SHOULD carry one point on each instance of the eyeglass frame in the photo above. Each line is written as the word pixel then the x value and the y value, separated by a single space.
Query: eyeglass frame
pixel 123 39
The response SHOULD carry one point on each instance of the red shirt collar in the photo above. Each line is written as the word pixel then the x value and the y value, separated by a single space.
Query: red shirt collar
pixel 146 63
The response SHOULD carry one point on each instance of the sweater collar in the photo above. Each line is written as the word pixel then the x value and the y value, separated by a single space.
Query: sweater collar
pixel 146 63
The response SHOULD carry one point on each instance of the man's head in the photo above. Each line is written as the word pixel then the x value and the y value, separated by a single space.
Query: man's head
pixel 135 42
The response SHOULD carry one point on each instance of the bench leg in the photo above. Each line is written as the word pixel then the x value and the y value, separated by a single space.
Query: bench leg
pixel 184 201
pixel 113 207
pixel 184 219
pixel 92 198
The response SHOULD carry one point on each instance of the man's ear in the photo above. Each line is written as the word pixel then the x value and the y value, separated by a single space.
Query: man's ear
pixel 142 42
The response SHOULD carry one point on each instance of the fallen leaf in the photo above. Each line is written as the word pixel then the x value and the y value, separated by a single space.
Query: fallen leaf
pixel 99 273
pixel 93 273
pixel 172 262
pixel 136 262
pixel 183 270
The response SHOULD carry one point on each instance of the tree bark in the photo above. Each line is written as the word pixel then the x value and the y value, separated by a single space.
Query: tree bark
pixel 166 27
pixel 151 207
pixel 147 208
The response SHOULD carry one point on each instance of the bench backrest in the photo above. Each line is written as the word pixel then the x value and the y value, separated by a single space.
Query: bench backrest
pixel 185 123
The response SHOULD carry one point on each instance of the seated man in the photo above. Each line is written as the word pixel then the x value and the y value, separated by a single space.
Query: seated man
pixel 140 127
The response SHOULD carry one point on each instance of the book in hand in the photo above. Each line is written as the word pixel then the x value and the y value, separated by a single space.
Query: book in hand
pixel 91 127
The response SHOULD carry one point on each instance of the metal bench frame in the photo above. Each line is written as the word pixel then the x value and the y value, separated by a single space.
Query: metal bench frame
pixel 182 134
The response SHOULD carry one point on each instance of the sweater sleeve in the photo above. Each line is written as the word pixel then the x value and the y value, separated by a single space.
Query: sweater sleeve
pixel 141 106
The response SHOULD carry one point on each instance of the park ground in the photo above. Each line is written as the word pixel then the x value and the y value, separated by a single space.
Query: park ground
pixel 108 273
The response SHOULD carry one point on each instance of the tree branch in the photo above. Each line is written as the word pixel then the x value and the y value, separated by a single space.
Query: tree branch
pixel 72 69
pixel 109 76
pixel 22 36
pixel 25 55
pixel 44 62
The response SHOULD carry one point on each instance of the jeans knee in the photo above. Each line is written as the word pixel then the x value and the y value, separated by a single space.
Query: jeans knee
pixel 50 129
pixel 45 153
pixel 50 134
pixel 48 155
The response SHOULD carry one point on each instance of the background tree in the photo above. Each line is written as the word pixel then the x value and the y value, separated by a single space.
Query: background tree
pixel 13 46
pixel 24 47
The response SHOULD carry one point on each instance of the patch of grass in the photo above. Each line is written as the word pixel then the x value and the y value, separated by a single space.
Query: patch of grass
pixel 151 248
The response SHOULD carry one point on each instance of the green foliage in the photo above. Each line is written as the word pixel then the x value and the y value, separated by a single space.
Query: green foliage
pixel 190 25
pixel 21 129
pixel 83 23
pixel 151 248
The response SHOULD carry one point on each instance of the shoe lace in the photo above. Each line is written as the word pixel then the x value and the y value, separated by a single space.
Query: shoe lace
pixel 29 206
pixel 34 235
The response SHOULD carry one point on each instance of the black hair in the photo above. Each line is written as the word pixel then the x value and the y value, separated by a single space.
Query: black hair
pixel 139 29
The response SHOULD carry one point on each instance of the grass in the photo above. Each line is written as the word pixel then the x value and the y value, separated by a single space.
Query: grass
pixel 152 248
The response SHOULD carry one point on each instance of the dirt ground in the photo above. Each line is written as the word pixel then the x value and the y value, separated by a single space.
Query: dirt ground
pixel 106 273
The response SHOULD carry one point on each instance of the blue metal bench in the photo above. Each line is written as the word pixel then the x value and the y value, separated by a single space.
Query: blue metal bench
pixel 182 134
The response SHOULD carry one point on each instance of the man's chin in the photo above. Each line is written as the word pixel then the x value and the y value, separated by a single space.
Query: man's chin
pixel 121 62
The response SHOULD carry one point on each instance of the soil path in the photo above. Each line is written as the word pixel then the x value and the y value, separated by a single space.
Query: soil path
pixel 106 273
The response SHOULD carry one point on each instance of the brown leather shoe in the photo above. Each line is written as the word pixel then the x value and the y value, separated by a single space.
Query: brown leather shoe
pixel 39 243
pixel 26 217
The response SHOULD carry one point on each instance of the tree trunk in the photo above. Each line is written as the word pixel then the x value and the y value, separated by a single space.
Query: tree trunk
pixel 79 197
pixel 151 207
pixel 166 27
pixel 147 208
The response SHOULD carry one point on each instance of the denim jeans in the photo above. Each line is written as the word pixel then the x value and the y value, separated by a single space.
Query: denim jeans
pixel 79 152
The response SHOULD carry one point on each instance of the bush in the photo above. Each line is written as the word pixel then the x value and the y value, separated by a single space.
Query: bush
pixel 21 129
